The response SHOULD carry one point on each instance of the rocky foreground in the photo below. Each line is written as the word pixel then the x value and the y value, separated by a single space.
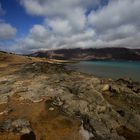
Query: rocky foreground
pixel 40 100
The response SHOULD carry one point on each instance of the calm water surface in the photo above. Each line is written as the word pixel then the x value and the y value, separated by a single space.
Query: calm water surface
pixel 110 69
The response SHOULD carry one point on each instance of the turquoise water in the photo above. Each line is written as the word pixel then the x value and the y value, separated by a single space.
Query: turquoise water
pixel 110 69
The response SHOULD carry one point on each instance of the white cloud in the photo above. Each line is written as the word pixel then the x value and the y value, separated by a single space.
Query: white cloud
pixel 120 32
pixel 38 32
pixel 77 18
pixel 60 26
pixel 70 11
pixel 67 25
pixel 116 13
pixel 54 7
pixel 7 31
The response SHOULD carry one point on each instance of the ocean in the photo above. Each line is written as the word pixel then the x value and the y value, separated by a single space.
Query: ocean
pixel 110 69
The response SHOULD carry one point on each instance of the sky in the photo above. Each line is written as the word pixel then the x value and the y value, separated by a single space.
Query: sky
pixel 30 25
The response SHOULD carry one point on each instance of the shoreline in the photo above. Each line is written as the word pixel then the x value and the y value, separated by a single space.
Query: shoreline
pixel 109 69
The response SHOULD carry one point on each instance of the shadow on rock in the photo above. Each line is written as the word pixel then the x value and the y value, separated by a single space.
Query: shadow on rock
pixel 30 136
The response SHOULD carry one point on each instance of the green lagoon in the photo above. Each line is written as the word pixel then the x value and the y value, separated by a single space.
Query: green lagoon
pixel 110 69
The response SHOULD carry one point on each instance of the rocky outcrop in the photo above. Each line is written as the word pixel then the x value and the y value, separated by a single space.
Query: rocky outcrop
pixel 104 106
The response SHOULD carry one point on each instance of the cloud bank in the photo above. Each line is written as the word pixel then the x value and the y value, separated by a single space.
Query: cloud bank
pixel 81 23
pixel 7 31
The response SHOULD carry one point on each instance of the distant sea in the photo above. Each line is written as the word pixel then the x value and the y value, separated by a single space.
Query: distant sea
pixel 110 69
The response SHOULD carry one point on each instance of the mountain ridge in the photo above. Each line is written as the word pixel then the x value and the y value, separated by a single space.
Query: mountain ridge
pixel 91 54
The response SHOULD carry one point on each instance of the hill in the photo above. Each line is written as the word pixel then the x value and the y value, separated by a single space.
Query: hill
pixel 91 54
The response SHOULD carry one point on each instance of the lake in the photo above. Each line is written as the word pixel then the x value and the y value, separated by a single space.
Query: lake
pixel 110 69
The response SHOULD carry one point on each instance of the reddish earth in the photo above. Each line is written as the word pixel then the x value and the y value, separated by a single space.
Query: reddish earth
pixel 46 124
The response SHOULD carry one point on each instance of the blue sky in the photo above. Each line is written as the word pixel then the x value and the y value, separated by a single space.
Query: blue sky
pixel 25 24
pixel 15 15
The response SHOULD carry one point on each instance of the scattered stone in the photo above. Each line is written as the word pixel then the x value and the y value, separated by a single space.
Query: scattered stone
pixel 4 99
pixel 85 133
pixel 5 89
pixel 57 101
pixel 6 111
pixel 124 81
pixel 37 100
pixel 106 88
pixel 101 109
pixel 115 89
pixel 21 99
pixel 17 126
pixel 51 109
